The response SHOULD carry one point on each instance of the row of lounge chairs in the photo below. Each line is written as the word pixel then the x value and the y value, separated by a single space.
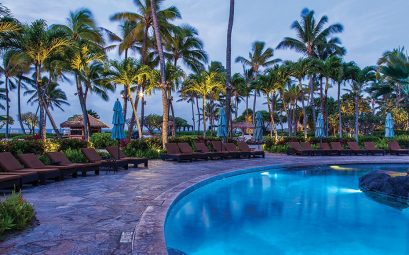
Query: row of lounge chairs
pixel 29 169
pixel 184 152
pixel 336 148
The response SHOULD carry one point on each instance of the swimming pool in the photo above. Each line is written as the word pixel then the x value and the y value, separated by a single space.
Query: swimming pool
pixel 310 210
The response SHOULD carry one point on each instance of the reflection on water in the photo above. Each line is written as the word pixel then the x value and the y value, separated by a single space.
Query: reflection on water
pixel 309 211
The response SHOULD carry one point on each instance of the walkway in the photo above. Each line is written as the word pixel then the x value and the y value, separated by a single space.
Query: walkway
pixel 88 215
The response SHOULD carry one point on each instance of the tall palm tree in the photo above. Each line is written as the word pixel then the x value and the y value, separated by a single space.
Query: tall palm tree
pixel 54 97
pixel 204 84
pixel 258 58
pixel 38 43
pixel 228 68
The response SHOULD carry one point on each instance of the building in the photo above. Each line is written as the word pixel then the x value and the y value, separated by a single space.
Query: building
pixel 75 125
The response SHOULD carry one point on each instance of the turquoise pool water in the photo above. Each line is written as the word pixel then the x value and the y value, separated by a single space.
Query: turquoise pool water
pixel 316 210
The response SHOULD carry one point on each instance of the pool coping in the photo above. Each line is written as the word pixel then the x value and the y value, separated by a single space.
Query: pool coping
pixel 149 233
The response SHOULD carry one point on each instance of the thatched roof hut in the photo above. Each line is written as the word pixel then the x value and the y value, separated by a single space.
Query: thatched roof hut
pixel 76 126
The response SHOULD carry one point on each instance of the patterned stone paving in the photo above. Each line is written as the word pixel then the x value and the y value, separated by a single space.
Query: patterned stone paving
pixel 88 215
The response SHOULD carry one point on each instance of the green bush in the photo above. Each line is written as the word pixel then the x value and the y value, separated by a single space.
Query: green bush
pixel 23 146
pixel 102 140
pixel 66 144
pixel 15 213
pixel 75 156
pixel 150 148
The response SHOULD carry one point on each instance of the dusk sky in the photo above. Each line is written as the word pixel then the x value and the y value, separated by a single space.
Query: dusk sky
pixel 370 28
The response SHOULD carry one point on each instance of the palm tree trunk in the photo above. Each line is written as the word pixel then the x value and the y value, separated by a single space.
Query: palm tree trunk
pixel 204 116
pixel 237 109
pixel 339 110
pixel 254 105
pixel 143 103
pixel 125 99
pixel 19 105
pixel 7 107
pixel 173 131
pixel 42 124
pixel 134 106
pixel 162 74
pixel 83 108
pixel 53 124
pixel 356 117
pixel 312 103
pixel 228 69
pixel 192 102
pixel 271 115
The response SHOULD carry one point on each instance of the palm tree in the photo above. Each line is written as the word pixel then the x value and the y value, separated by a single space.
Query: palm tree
pixel 204 84
pixel 38 43
pixel 360 78
pixel 239 90
pixel 54 97
pixel 312 38
pixel 259 57
pixel 228 69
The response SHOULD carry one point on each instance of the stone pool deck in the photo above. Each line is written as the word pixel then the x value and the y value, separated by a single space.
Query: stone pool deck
pixel 88 215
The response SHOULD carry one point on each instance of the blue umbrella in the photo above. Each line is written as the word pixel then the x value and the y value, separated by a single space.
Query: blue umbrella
pixel 118 122
pixel 258 127
pixel 319 127
pixel 389 132
pixel 222 128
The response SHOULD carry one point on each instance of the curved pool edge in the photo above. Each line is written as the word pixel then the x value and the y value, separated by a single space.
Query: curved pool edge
pixel 149 233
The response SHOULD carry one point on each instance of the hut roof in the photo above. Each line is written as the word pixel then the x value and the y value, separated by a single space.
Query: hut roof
pixel 77 122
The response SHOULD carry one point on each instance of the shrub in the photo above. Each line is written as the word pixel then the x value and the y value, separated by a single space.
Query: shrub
pixel 15 213
pixel 66 144
pixel 19 146
pixel 102 140
pixel 75 156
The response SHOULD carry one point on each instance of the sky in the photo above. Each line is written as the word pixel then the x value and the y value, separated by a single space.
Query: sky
pixel 370 28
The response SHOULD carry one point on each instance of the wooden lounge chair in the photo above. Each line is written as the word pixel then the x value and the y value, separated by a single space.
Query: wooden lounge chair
pixel 327 150
pixel 173 153
pixel 11 165
pixel 8 181
pixel 338 147
pixel 243 146
pixel 113 151
pixel 231 147
pixel 371 148
pixel 294 148
pixel 30 160
pixel 58 158
pixel 201 147
pixel 219 148
pixel 186 149
pixel 355 149
pixel 307 147
pixel 394 148
pixel 92 155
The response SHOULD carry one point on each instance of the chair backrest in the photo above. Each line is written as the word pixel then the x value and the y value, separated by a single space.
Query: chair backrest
pixel 324 146
pixel 185 148
pixel 8 162
pixel 295 146
pixel 201 147
pixel 230 147
pixel 306 146
pixel 336 146
pixel 353 146
pixel 91 154
pixel 394 145
pixel 58 158
pixel 243 146
pixel 113 151
pixel 30 160
pixel 369 146
pixel 172 148
pixel 217 146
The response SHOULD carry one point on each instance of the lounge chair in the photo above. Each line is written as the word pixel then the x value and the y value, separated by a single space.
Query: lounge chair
pixel 202 148
pixel 30 160
pixel 173 153
pixel 338 147
pixel 92 155
pixel 307 147
pixel 327 150
pixel 371 148
pixel 113 151
pixel 219 148
pixel 294 148
pixel 58 158
pixel 186 149
pixel 394 148
pixel 10 181
pixel 231 147
pixel 243 146
pixel 12 166
pixel 355 149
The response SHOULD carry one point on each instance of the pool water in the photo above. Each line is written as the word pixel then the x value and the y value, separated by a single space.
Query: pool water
pixel 316 210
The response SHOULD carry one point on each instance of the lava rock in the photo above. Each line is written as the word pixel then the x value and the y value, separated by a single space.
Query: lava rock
pixel 381 181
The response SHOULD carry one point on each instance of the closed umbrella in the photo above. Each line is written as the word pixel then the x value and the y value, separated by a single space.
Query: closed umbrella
pixel 389 132
pixel 222 127
pixel 118 122
pixel 319 127
pixel 258 128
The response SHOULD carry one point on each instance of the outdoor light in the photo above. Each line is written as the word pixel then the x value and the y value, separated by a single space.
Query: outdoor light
pixel 141 94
